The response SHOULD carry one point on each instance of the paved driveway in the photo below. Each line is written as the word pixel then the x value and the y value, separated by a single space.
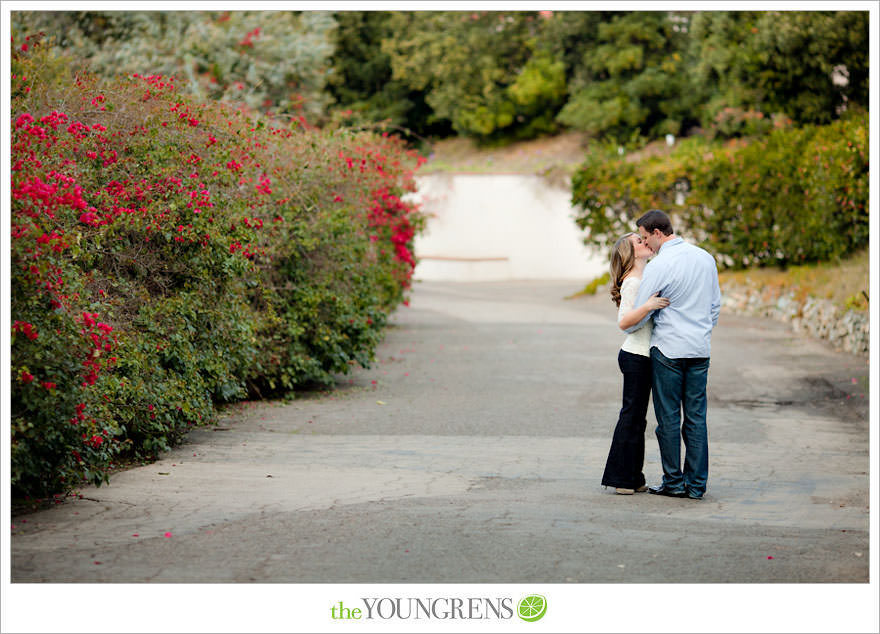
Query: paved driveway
pixel 472 452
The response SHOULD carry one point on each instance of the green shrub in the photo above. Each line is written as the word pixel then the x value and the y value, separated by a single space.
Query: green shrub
pixel 792 196
pixel 169 255
pixel 594 284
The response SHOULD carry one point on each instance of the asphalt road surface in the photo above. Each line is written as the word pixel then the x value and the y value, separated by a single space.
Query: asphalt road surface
pixel 473 452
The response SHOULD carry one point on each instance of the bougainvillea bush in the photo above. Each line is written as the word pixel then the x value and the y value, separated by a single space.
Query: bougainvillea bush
pixel 169 255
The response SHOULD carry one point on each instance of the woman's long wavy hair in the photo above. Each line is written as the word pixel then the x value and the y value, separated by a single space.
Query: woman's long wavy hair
pixel 623 257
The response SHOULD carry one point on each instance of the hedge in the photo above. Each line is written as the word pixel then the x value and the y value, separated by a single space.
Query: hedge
pixel 169 255
pixel 795 195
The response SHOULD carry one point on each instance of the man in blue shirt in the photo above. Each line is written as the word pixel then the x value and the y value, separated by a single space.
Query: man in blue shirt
pixel 688 277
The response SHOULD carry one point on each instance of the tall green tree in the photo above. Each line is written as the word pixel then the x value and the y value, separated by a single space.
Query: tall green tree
pixel 724 63
pixel 808 65
pixel 479 70
pixel 570 35
pixel 631 78
pixel 802 52
pixel 362 80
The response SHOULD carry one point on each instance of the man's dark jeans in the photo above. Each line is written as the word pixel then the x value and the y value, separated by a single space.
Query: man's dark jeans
pixel 680 388
pixel 627 455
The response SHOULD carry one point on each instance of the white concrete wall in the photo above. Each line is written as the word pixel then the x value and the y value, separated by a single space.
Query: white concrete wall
pixel 485 227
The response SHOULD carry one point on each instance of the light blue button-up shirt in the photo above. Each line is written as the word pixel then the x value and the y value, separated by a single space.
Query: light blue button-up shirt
pixel 688 276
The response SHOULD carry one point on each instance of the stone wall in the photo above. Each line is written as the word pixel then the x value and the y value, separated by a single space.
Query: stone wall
pixel 846 330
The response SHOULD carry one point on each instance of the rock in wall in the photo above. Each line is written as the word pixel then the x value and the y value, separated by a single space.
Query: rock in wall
pixel 846 330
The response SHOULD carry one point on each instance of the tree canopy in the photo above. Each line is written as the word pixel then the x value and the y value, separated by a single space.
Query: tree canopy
pixel 494 74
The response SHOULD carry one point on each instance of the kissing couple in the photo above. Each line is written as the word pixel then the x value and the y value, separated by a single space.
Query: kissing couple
pixel 668 301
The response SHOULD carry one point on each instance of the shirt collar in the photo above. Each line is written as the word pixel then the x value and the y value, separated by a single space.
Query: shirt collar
pixel 670 243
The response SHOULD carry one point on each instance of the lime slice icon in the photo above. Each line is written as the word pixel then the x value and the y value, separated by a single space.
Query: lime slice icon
pixel 532 608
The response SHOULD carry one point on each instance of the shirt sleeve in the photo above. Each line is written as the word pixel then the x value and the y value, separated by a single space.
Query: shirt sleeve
pixel 651 281
pixel 716 301
pixel 628 291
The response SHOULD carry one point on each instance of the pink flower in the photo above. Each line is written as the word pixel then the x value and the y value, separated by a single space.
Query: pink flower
pixel 23 120
pixel 88 218
pixel 26 328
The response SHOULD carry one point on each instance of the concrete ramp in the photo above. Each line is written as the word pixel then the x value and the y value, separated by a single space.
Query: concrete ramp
pixel 494 227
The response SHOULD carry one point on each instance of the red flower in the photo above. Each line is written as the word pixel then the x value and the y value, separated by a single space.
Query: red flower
pixel 26 377
pixel 23 120
pixel 89 218
pixel 26 328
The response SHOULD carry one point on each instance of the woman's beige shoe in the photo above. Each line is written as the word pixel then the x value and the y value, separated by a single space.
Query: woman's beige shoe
pixel 641 489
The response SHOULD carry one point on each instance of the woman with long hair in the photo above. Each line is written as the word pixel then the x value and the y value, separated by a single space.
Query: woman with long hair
pixel 623 469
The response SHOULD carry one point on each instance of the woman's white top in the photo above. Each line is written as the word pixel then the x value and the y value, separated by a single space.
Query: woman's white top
pixel 638 341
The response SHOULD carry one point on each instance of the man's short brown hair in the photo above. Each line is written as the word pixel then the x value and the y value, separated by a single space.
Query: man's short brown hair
pixel 655 219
